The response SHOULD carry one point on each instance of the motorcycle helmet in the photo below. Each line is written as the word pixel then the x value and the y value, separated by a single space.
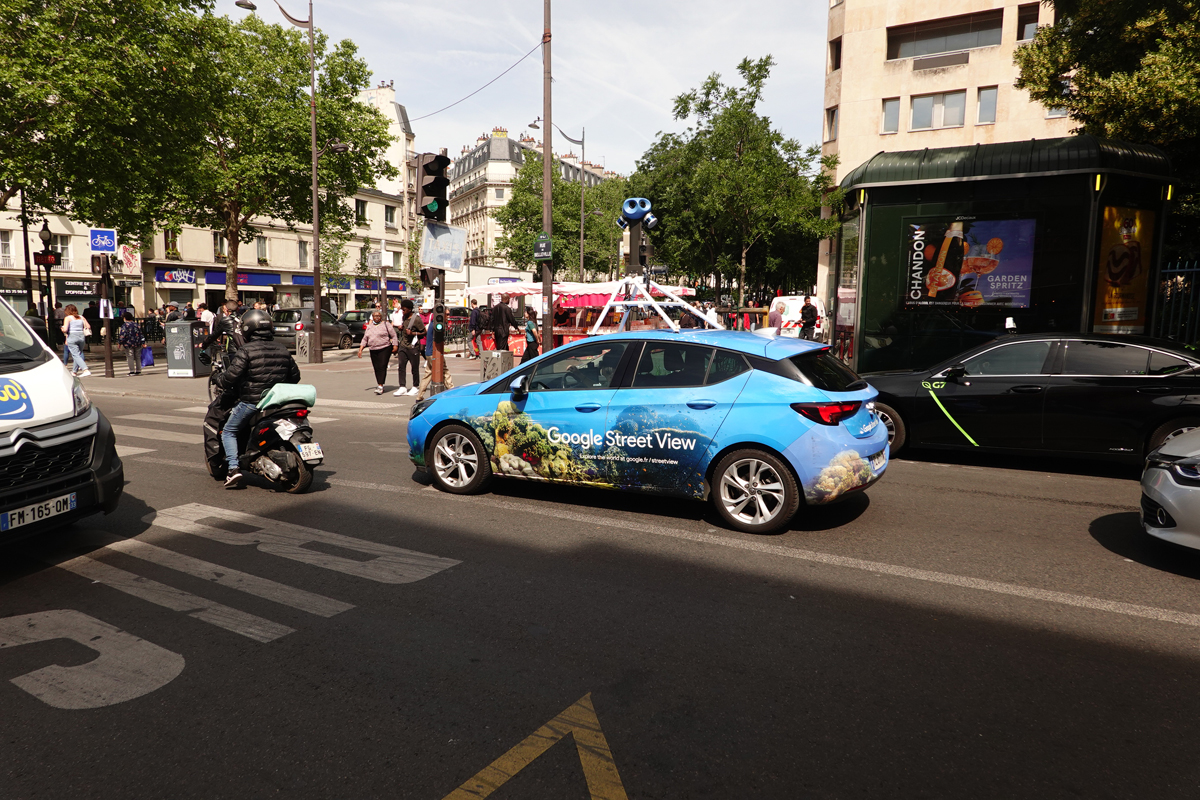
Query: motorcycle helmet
pixel 257 323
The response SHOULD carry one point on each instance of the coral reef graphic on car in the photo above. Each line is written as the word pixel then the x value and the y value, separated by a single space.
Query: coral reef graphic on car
pixel 848 470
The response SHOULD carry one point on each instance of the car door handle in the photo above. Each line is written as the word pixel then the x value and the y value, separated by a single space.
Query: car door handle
pixel 588 408
pixel 1027 389
pixel 700 405
pixel 1155 389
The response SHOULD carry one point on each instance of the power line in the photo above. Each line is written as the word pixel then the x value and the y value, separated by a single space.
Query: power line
pixel 481 88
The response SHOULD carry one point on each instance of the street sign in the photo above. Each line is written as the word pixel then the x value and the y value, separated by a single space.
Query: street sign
pixel 103 240
pixel 541 248
pixel 374 259
pixel 443 246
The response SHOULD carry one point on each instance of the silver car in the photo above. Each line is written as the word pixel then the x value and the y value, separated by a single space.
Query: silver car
pixel 1171 490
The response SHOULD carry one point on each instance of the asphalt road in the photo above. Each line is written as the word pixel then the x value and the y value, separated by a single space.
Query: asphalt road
pixel 971 629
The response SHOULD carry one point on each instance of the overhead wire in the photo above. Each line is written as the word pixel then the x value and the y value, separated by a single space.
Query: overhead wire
pixel 481 88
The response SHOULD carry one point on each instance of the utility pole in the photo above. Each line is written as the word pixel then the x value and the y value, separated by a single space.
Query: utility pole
pixel 107 309
pixel 547 199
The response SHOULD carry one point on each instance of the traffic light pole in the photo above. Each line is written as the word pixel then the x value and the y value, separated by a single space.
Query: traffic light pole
pixel 437 364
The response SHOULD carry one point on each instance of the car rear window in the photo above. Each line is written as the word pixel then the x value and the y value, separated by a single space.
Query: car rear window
pixel 822 371
pixel 287 315
pixel 358 316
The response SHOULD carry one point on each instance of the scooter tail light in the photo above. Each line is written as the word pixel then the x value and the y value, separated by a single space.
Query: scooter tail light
pixel 302 412
pixel 828 413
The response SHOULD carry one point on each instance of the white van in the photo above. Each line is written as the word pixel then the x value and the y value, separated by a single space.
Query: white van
pixel 58 455
pixel 791 315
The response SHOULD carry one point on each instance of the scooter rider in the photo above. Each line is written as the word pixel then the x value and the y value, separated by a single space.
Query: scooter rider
pixel 253 369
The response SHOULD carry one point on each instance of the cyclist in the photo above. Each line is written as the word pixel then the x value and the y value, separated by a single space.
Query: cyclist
pixel 225 331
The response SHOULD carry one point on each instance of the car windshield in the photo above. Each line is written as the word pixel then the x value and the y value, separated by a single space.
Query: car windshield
pixel 17 342
pixel 822 371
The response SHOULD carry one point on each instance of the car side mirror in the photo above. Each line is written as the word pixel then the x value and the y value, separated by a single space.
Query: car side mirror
pixel 520 385
pixel 957 371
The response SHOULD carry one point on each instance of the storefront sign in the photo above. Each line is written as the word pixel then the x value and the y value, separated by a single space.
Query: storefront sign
pixel 65 290
pixel 1121 280
pixel 495 281
pixel 372 285
pixel 175 276
pixel 217 276
pixel 969 263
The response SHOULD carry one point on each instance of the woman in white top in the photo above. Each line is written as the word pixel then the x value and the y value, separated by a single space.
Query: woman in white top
pixel 77 330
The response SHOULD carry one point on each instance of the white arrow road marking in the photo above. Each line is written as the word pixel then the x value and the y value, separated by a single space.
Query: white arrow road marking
pixel 388 564
pixel 248 625
pixel 162 436
pixel 125 668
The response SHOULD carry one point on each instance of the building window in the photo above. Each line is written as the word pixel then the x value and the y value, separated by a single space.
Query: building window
pixel 987 105
pixel 945 35
pixel 499 194
pixel 260 248
pixel 396 256
pixel 171 244
pixel 303 254
pixel 220 247
pixel 938 111
pixel 389 215
pixel 6 249
pixel 835 55
pixel 360 212
pixel 1027 21
pixel 831 124
pixel 1056 113
pixel 891 115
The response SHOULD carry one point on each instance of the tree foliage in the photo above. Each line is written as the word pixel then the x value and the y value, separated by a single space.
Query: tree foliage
pixel 1128 71
pixel 734 194
pixel 255 159
pixel 97 102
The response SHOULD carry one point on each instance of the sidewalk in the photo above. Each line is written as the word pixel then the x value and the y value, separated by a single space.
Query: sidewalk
pixel 343 381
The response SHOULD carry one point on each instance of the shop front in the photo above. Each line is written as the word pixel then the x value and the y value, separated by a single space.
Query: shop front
pixel 253 287
pixel 941 250
pixel 173 285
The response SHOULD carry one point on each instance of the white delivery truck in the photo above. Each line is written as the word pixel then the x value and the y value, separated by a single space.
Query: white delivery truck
pixel 58 455
pixel 791 315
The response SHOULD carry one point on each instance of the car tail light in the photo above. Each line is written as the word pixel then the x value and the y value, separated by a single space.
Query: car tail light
pixel 299 326
pixel 827 413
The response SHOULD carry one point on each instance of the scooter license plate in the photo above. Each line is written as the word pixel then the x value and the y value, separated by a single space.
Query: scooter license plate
pixel 311 451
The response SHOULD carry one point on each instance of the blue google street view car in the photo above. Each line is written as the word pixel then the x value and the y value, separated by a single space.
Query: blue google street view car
pixel 758 424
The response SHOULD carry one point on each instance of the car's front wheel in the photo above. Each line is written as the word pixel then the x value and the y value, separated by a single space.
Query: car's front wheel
pixel 457 461
pixel 897 430
pixel 754 491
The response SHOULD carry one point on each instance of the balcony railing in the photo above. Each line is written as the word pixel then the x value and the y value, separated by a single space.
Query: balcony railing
pixel 6 262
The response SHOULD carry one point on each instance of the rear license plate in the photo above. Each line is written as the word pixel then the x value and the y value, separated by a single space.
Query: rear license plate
pixel 878 460
pixel 311 452
pixel 36 512
pixel 281 329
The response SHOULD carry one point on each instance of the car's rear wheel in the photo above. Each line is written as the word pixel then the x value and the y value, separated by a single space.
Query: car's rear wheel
pixel 346 342
pixel 457 461
pixel 897 431
pixel 754 491
pixel 1169 430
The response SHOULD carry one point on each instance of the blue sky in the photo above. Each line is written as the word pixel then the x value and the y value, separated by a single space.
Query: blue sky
pixel 615 71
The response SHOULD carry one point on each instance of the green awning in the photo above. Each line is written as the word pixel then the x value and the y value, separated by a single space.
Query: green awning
pixel 1032 157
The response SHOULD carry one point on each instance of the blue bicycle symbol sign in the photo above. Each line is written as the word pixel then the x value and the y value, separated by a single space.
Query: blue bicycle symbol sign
pixel 103 241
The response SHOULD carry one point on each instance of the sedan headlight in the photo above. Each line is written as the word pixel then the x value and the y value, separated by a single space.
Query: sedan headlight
pixel 419 408
pixel 82 402
pixel 1183 470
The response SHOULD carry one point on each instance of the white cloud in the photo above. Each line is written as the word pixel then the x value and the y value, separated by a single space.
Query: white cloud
pixel 615 71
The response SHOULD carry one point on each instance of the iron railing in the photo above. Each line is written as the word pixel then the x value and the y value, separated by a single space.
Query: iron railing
pixel 1178 314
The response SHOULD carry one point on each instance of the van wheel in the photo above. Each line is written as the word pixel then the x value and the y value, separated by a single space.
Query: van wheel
pixel 754 491
pixel 457 461
pixel 1169 430
pixel 897 432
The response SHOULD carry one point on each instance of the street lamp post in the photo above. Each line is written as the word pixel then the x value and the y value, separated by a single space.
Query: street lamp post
pixel 44 235
pixel 581 141
pixel 547 205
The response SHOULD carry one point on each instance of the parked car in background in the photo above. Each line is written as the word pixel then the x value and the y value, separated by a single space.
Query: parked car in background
pixel 356 322
pixel 1171 490
pixel 289 321
pixel 1089 395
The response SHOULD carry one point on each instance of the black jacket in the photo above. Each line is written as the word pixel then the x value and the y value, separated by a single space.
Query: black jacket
pixel 255 368
pixel 224 325
pixel 808 316
pixel 502 320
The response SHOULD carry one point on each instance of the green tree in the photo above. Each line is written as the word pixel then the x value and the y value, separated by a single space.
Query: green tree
pixel 733 187
pixel 521 218
pixel 98 100
pixel 1127 71
pixel 255 159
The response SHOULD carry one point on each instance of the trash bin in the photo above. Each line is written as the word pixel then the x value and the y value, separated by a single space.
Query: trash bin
pixel 183 346
pixel 305 347
pixel 493 363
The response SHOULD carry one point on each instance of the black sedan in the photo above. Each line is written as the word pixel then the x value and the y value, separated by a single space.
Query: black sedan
pixel 1064 394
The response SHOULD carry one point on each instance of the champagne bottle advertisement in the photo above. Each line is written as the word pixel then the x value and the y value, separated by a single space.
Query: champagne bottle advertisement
pixel 969 263
pixel 1121 285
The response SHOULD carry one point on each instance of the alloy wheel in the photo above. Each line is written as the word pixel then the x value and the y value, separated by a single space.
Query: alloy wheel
pixel 888 423
pixel 751 491
pixel 455 460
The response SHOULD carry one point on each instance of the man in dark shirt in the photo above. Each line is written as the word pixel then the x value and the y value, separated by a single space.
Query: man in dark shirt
pixel 502 321
pixel 808 319
pixel 475 326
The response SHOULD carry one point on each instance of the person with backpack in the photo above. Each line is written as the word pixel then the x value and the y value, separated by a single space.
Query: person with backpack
pixel 132 339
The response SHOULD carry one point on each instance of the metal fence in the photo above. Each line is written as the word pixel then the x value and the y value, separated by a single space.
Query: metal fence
pixel 1178 313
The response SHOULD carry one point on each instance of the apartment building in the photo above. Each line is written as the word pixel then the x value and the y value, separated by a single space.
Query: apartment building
pixel 481 182
pixel 914 74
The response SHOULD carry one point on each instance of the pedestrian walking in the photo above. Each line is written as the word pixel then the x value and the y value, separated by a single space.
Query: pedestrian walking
pixel 189 313
pixel 76 329
pixel 92 315
pixel 131 338
pixel 808 319
pixel 173 314
pixel 379 337
pixel 533 337
pixel 475 326
pixel 502 321
pixel 411 331
pixel 775 318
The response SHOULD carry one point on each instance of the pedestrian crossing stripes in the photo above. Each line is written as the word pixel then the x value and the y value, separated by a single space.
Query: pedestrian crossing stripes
pixel 167 435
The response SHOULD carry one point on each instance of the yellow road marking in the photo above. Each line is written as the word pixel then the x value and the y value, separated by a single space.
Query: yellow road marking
pixel 595 756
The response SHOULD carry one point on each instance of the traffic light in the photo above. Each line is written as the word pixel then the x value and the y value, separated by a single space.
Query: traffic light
pixel 432 186
pixel 439 323
pixel 431 277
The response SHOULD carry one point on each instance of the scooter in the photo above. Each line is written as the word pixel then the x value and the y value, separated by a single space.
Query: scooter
pixel 276 443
